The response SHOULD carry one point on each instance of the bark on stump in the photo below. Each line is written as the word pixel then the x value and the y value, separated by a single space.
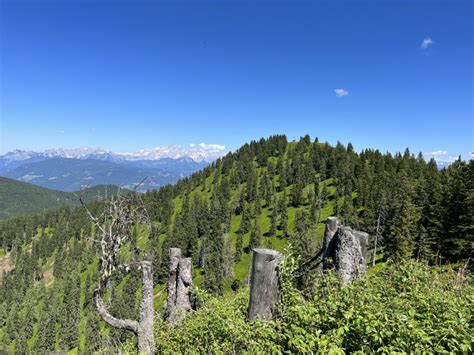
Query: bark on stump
pixel 332 224
pixel 344 249
pixel 264 288
pixel 179 287
pixel 349 256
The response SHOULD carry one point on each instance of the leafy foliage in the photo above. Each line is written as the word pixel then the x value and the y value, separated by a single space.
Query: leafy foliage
pixel 406 307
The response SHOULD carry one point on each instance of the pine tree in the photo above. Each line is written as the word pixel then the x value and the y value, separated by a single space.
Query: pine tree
pixel 402 222
pixel 337 196
pixel 93 334
pixel 239 247
pixel 255 236
pixel 245 222
pixel 282 173
pixel 213 268
pixel 348 214
pixel 283 216
pixel 301 238
pixel 274 220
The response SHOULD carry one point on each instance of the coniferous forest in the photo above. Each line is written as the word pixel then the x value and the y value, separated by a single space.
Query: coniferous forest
pixel 417 294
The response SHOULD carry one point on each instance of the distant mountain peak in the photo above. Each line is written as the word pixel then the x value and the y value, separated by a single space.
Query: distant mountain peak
pixel 198 153
pixel 194 152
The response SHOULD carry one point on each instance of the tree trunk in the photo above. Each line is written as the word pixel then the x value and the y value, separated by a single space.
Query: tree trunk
pixel 175 256
pixel 344 249
pixel 146 338
pixel 183 287
pixel 264 290
pixel 349 256
pixel 332 225
pixel 179 287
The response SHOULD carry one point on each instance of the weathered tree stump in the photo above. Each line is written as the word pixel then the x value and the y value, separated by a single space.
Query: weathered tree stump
pixel 332 224
pixel 344 249
pixel 264 289
pixel 349 254
pixel 179 287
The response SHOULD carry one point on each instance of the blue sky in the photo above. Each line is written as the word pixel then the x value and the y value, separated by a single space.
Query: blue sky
pixel 126 75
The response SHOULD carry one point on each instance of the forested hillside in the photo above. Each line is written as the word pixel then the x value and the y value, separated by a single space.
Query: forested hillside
pixel 270 193
pixel 20 198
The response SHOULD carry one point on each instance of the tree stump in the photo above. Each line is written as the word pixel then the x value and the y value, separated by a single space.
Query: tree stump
pixel 327 251
pixel 349 258
pixel 264 288
pixel 332 223
pixel 344 249
pixel 179 287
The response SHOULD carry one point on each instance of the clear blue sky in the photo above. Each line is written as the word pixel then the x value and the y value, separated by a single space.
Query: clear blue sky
pixel 127 75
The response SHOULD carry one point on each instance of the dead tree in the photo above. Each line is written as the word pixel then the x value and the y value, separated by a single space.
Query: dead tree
pixel 114 228
pixel 180 283
pixel 264 289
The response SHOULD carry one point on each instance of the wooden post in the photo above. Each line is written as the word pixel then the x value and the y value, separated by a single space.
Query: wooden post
pixel 264 288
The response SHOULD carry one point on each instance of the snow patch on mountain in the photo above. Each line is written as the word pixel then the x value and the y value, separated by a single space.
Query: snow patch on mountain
pixel 194 152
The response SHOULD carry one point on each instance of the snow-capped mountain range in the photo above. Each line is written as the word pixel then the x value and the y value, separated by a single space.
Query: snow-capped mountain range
pixel 72 169
pixel 197 152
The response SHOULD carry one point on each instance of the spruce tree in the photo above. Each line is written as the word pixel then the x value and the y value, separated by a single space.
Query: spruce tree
pixel 283 216
pixel 239 247
pixel 214 271
pixel 274 220
pixel 255 236
pixel 300 239
pixel 402 222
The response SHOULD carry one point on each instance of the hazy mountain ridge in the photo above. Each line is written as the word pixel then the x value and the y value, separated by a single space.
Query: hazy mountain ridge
pixel 73 169
pixel 197 153
pixel 66 174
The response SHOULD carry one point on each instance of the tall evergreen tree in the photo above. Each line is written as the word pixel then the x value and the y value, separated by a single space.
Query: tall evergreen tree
pixel 402 222
pixel 255 236
pixel 239 247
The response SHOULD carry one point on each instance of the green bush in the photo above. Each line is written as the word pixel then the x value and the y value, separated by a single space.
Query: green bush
pixel 408 307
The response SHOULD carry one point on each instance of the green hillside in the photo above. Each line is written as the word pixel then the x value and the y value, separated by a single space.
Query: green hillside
pixel 20 198
pixel 269 193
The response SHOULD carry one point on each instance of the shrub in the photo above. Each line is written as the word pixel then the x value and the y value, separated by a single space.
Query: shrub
pixel 407 307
